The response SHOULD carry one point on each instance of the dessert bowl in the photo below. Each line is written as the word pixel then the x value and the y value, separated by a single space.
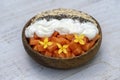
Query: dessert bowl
pixel 62 63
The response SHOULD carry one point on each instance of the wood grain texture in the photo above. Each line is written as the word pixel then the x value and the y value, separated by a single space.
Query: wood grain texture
pixel 15 64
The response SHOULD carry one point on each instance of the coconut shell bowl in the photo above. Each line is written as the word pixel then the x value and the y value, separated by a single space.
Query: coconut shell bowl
pixel 62 63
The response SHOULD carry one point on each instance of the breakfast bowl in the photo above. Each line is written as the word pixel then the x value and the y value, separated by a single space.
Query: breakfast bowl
pixel 70 18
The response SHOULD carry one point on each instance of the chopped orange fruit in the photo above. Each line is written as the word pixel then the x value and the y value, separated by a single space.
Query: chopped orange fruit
pixel 61 36
pixel 48 54
pixel 55 34
pixel 40 48
pixel 70 37
pixel 62 55
pixel 62 46
pixel 86 47
pixel 35 36
pixel 52 47
pixel 60 40
pixel 33 41
pixel 69 55
pixel 77 51
pixel 73 45
pixel 96 37
pixel 55 54
pixel 86 40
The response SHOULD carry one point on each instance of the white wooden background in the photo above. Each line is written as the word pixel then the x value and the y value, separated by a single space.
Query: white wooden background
pixel 15 64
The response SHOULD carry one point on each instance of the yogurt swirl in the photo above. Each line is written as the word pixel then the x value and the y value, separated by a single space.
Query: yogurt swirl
pixel 44 28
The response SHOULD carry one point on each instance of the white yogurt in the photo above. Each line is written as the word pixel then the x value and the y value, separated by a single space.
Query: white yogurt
pixel 44 28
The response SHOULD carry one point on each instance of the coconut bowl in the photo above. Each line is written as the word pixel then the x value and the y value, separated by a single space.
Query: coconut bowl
pixel 59 63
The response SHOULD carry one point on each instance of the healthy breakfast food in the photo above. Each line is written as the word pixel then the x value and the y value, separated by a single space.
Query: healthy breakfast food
pixel 64 38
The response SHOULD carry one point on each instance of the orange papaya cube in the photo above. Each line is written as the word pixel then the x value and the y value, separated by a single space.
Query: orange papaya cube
pixel 55 34
pixel 86 47
pixel 96 37
pixel 35 36
pixel 52 47
pixel 33 41
pixel 68 49
pixel 55 54
pixel 72 55
pixel 40 48
pixel 61 55
pixel 86 40
pixel 69 55
pixel 83 52
pixel 54 39
pixel 61 36
pixel 77 51
pixel 35 48
pixel 63 41
pixel 59 40
pixel 43 38
pixel 92 42
pixel 70 37
pixel 48 54
pixel 73 45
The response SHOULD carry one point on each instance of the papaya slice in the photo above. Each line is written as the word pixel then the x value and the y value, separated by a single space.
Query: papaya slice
pixel 33 41
pixel 52 47
pixel 55 34
pixel 47 53
pixel 70 37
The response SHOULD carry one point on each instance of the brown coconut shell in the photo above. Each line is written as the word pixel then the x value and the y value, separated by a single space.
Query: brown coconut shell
pixel 57 62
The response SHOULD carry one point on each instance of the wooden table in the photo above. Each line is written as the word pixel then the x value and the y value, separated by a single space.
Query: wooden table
pixel 15 64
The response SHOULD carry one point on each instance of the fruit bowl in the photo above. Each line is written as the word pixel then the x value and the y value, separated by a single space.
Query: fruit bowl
pixel 61 63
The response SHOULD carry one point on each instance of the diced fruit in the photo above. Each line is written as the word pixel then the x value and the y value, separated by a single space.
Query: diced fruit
pixel 92 43
pixel 49 54
pixel 33 41
pixel 86 40
pixel 55 54
pixel 69 55
pixel 77 51
pixel 73 49
pixel 35 36
pixel 60 40
pixel 96 37
pixel 55 34
pixel 35 48
pixel 61 36
pixel 52 47
pixel 73 46
pixel 40 48
pixel 70 37
pixel 62 55
pixel 86 47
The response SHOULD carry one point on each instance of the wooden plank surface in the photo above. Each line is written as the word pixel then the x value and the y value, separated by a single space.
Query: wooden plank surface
pixel 15 64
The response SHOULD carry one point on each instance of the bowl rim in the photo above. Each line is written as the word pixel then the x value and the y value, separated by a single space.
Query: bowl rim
pixel 24 40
